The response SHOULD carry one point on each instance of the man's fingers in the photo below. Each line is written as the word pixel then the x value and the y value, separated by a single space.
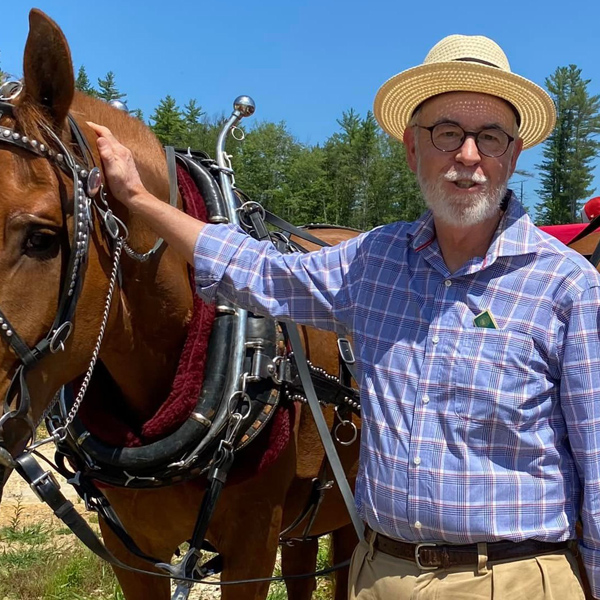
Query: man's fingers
pixel 99 129
pixel 104 133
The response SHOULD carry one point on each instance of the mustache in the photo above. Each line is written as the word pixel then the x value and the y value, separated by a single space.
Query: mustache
pixel 455 174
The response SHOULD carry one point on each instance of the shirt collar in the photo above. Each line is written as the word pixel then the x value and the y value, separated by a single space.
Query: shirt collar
pixel 516 234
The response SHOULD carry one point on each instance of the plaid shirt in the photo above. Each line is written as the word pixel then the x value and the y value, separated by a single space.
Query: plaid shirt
pixel 469 433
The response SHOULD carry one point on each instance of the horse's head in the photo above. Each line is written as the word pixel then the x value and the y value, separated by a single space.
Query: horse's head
pixel 45 235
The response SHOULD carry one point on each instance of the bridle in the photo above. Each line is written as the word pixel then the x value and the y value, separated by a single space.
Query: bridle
pixel 86 185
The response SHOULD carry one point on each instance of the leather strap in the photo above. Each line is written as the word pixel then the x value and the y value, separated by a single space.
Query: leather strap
pixel 325 435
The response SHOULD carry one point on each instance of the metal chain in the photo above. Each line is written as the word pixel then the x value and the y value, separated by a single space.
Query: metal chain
pixel 86 380
pixel 137 255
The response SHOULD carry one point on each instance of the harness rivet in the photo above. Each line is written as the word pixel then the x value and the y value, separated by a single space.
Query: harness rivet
pixel 51 153
pixel 4 326
pixel 6 132
pixel 25 139
pixel 34 143
pixel 42 148
pixel 9 333
pixel 84 173
pixel 78 168
pixel 60 157
pixel 16 135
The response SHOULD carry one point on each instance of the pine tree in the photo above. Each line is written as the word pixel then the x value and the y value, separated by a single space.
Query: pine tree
pixel 137 113
pixel 567 171
pixel 168 125
pixel 194 128
pixel 82 83
pixel 108 89
pixel 262 166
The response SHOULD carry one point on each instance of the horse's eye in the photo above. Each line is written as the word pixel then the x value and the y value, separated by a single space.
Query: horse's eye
pixel 40 244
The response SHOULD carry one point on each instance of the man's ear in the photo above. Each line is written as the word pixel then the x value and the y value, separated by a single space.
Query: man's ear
pixel 516 153
pixel 411 148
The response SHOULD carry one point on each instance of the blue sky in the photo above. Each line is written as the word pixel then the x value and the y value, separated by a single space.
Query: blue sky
pixel 303 62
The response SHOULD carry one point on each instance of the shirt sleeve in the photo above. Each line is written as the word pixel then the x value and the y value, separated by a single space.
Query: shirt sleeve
pixel 580 402
pixel 310 289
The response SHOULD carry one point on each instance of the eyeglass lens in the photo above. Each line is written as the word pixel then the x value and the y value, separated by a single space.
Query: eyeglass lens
pixel 449 137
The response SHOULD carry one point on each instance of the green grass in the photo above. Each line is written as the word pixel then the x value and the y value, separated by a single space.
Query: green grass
pixel 31 534
pixel 40 562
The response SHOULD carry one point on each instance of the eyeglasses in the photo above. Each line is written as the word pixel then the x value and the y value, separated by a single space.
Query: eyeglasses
pixel 448 137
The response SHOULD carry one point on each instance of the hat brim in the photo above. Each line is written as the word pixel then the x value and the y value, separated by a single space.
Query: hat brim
pixel 398 97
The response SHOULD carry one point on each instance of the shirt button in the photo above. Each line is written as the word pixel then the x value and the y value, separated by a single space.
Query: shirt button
pixel 435 339
pixel 417 461
pixel 418 524
pixel 425 399
pixel 447 283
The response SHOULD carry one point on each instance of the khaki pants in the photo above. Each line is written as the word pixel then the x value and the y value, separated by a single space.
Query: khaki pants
pixel 378 576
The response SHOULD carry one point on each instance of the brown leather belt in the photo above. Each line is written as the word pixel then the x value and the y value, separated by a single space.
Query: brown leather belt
pixel 431 556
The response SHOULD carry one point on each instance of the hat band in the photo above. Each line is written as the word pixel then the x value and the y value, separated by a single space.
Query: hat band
pixel 477 60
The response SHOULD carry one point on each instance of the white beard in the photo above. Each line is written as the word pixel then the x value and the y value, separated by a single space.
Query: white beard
pixel 459 209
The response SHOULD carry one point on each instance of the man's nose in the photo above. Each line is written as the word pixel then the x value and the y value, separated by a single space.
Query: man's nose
pixel 468 153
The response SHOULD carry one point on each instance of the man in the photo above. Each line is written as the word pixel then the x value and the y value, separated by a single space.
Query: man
pixel 476 337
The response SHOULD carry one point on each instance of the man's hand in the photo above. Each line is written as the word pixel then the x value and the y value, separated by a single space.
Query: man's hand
pixel 178 229
pixel 121 174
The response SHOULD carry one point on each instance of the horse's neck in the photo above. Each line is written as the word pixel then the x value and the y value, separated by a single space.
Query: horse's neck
pixel 155 300
pixel 142 352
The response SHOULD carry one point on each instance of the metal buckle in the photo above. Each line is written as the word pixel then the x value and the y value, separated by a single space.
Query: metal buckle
pixel 418 558
pixel 44 478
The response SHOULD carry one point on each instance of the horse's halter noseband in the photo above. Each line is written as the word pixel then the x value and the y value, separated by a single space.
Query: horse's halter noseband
pixel 86 184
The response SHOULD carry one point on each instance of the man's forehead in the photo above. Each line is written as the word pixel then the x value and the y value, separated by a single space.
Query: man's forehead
pixel 468 108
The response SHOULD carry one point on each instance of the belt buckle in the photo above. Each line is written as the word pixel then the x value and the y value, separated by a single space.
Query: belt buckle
pixel 418 558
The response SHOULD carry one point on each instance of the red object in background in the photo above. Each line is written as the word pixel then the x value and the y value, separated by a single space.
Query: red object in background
pixel 564 233
pixel 591 209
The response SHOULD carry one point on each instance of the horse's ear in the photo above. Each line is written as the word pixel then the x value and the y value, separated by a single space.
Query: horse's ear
pixel 47 67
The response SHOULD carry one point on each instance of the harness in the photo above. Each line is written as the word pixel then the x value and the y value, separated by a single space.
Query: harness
pixel 244 373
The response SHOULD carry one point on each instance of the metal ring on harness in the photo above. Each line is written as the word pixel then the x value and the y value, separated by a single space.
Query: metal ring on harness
pixel 240 137
pixel 344 423
pixel 248 207
pixel 60 336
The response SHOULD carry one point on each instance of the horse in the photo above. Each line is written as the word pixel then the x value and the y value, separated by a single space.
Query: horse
pixel 145 328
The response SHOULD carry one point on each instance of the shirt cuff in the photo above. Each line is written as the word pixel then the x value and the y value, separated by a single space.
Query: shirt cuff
pixel 215 247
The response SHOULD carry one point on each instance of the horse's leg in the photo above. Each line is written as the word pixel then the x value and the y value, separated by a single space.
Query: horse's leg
pixel 299 559
pixel 135 586
pixel 246 524
pixel 343 542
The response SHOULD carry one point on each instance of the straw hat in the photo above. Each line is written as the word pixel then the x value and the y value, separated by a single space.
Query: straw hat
pixel 461 63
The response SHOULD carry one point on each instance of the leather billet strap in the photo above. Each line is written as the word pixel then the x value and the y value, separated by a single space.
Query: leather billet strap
pixel 47 489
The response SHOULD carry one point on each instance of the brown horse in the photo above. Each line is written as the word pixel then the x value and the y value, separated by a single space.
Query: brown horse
pixel 145 332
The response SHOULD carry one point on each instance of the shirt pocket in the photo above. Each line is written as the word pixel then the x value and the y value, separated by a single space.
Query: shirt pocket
pixel 497 378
